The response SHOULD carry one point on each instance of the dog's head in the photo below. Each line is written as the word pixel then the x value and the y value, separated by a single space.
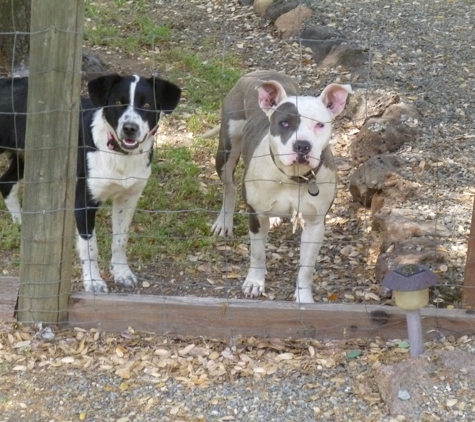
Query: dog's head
pixel 300 127
pixel 132 105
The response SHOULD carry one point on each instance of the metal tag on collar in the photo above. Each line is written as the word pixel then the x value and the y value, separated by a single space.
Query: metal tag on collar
pixel 312 186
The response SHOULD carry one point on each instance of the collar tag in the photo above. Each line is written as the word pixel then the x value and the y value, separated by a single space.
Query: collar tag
pixel 312 188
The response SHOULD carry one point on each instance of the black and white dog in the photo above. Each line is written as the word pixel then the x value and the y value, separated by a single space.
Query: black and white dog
pixel 116 136
pixel 289 170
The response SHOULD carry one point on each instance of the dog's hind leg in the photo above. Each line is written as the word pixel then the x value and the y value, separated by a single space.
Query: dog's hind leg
pixel 123 209
pixel 10 186
pixel 227 158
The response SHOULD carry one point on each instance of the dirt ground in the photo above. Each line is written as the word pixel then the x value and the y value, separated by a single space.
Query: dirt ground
pixel 420 50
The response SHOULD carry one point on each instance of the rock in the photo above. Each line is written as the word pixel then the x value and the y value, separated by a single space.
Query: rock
pixel 245 2
pixel 320 40
pixel 92 65
pixel 289 24
pixel 416 250
pixel 350 58
pixel 399 224
pixel 371 177
pixel 420 376
pixel 260 7
pixel 380 135
pixel 279 7
pixel 363 105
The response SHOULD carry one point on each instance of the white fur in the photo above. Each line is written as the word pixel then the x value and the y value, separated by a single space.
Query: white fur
pixel 12 203
pixel 122 178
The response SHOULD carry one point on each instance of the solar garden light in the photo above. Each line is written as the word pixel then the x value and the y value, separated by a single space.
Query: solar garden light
pixel 410 284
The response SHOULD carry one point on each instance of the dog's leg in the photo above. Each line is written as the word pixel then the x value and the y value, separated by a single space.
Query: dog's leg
pixel 88 253
pixel 312 238
pixel 123 209
pixel 10 186
pixel 86 243
pixel 254 284
pixel 227 157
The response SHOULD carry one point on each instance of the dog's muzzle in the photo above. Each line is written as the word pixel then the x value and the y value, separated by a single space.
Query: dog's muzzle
pixel 302 148
pixel 129 135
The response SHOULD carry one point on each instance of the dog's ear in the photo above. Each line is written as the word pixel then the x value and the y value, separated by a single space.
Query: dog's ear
pixel 167 94
pixel 100 87
pixel 269 94
pixel 334 97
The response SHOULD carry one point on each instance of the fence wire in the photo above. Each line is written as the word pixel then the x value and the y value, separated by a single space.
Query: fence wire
pixel 406 52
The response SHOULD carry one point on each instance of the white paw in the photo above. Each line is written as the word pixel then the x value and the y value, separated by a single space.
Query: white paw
pixel 223 225
pixel 253 288
pixel 123 275
pixel 275 221
pixel 16 218
pixel 303 295
pixel 95 286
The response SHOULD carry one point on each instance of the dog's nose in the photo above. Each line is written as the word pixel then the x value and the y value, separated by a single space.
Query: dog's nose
pixel 302 147
pixel 130 129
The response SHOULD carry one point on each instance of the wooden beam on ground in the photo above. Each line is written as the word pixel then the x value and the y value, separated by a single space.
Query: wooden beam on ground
pixel 50 160
pixel 468 290
pixel 8 296
pixel 212 317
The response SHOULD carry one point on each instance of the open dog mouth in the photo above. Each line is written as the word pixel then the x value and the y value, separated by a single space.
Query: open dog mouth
pixel 129 143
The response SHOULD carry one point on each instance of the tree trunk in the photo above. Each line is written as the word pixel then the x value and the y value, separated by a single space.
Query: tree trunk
pixel 14 47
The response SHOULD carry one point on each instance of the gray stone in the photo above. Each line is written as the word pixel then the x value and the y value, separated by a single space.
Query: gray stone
pixel 279 7
pixel 403 395
pixel 320 40
pixel 346 56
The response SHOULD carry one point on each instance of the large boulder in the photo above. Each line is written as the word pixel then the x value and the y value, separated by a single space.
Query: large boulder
pixel 279 7
pixel 388 133
pixel 289 24
pixel 320 40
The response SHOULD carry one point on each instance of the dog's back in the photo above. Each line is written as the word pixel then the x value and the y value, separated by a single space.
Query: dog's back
pixel 13 103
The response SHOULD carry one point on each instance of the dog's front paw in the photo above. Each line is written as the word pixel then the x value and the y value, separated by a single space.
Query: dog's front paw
pixel 223 225
pixel 95 286
pixel 303 295
pixel 253 287
pixel 123 275
pixel 275 222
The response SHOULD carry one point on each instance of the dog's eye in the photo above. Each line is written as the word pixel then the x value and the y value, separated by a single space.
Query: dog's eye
pixel 118 102
pixel 319 125
pixel 146 105
pixel 284 124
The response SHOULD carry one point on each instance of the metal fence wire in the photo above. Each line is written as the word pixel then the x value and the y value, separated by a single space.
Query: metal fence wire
pixel 189 280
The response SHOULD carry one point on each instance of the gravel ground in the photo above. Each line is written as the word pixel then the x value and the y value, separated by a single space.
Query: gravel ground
pixel 128 377
pixel 421 50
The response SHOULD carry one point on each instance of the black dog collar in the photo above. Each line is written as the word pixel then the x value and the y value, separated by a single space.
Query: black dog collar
pixel 308 178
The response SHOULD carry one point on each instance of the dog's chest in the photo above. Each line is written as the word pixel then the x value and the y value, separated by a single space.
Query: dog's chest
pixel 111 175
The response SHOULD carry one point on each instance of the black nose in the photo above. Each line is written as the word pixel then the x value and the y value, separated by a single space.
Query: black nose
pixel 302 147
pixel 130 129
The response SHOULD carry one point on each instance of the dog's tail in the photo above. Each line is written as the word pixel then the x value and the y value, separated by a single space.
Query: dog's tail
pixel 211 133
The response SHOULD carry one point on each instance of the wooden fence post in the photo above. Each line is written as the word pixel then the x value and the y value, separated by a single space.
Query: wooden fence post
pixel 468 290
pixel 50 160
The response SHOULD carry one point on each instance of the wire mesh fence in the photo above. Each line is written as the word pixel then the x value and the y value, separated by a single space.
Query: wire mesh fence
pixel 417 212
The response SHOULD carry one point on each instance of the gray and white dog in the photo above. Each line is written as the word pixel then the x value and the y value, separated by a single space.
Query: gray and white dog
pixel 289 169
